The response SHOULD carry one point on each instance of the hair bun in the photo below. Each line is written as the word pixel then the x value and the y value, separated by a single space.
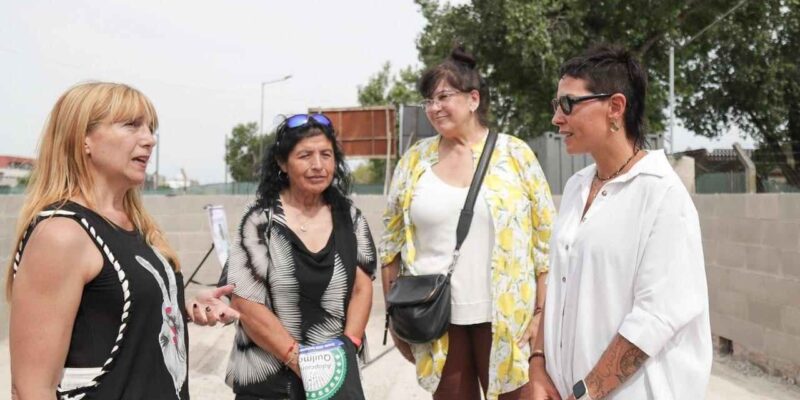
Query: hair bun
pixel 460 55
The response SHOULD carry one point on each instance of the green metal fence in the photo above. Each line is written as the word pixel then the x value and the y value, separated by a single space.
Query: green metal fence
pixel 721 182
pixel 771 186
pixel 244 188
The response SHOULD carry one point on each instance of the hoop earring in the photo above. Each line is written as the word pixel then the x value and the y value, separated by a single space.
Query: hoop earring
pixel 282 176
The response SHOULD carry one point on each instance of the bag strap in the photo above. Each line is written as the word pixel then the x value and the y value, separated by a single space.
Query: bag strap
pixel 465 218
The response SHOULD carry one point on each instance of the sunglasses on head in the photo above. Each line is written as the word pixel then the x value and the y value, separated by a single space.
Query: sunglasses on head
pixel 298 120
pixel 566 102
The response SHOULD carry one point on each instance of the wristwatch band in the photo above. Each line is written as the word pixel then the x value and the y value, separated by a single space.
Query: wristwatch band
pixel 580 392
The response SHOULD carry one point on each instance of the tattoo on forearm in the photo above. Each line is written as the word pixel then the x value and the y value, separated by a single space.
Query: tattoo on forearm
pixel 620 360
pixel 631 361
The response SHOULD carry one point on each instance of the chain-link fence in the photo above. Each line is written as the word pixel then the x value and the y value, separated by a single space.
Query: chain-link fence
pixel 242 188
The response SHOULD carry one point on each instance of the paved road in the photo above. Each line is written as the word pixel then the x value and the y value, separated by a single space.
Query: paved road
pixel 390 377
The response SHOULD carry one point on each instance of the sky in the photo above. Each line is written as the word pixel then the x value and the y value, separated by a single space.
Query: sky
pixel 202 64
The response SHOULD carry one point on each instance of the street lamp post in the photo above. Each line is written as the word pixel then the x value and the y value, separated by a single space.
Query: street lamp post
pixel 672 72
pixel 261 125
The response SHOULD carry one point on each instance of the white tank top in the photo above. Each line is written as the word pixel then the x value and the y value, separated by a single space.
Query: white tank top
pixel 435 208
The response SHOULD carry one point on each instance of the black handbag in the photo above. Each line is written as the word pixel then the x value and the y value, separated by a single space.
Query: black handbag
pixel 418 306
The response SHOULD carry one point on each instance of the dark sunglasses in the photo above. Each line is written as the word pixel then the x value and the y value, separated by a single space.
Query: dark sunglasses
pixel 567 102
pixel 298 120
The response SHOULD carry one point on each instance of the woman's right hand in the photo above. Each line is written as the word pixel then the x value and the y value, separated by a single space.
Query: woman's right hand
pixel 404 348
pixel 294 365
pixel 542 385
pixel 207 308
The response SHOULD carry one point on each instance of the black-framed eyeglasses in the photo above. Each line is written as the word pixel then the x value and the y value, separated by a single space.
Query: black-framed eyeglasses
pixel 566 102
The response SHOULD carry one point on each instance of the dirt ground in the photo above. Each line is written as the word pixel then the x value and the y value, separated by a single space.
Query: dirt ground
pixel 390 377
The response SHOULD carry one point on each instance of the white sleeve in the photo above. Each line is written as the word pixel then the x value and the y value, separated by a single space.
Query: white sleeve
pixel 670 285
pixel 248 261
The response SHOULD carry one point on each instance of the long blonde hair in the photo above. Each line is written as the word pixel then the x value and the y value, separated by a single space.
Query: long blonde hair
pixel 61 170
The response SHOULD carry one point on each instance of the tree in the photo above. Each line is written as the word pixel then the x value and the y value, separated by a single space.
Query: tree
pixel 244 151
pixel 402 91
pixel 747 75
pixel 374 92
pixel 520 45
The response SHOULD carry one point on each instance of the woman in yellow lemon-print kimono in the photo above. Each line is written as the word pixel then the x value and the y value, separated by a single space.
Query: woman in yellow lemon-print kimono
pixel 498 282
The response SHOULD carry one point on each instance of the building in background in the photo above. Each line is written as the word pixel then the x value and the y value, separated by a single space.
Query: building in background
pixel 14 170
pixel 558 166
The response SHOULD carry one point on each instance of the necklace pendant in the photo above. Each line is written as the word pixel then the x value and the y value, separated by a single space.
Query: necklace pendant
pixel 303 228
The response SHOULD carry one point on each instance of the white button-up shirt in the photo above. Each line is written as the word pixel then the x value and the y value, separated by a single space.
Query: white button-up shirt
pixel 633 265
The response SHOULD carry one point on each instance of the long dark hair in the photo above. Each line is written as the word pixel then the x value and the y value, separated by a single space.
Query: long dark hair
pixel 273 180
pixel 459 70
pixel 612 69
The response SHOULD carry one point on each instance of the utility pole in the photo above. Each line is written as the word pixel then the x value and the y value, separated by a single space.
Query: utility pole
pixel 672 72
pixel 261 124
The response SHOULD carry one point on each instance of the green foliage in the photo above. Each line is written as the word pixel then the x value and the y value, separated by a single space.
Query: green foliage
pixel 521 44
pixel 370 173
pixel 745 73
pixel 244 151
pixel 378 168
pixel 741 71
pixel 364 175
pixel 374 92
pixel 378 91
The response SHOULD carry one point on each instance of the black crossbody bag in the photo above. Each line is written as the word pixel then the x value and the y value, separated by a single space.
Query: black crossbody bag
pixel 418 306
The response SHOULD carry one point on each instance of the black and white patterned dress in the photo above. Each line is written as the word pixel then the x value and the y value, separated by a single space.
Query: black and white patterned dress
pixel 129 339
pixel 308 292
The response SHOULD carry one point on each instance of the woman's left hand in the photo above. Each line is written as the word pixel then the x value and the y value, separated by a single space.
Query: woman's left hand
pixel 207 309
pixel 529 337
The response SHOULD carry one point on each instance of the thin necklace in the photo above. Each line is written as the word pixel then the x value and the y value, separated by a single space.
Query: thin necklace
pixel 303 225
pixel 615 174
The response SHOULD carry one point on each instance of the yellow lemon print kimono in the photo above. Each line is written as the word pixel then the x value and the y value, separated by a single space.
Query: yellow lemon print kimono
pixel 522 213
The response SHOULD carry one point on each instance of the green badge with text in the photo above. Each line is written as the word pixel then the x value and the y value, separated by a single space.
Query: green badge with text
pixel 323 368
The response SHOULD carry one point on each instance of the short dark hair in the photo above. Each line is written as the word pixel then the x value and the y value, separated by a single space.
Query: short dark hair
pixel 460 71
pixel 612 69
pixel 273 180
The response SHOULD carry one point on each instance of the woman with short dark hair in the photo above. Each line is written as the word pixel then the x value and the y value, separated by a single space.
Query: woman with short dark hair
pixel 626 315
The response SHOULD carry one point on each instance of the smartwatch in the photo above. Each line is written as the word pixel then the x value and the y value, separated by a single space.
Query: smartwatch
pixel 579 391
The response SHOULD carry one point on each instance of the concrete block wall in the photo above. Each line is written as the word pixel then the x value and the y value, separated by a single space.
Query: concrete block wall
pixel 752 252
pixel 751 244
pixel 185 222
pixel 9 208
